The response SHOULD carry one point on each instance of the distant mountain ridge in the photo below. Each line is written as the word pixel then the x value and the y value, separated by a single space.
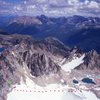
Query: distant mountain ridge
pixel 75 30
pixel 26 20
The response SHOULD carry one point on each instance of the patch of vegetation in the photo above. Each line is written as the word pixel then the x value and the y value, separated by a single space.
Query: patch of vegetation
pixel 9 82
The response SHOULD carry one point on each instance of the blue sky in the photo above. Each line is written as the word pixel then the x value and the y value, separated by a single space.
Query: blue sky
pixel 51 7
pixel 14 1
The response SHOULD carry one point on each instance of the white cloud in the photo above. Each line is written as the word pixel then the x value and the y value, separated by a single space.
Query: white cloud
pixel 53 7
pixel 17 7
pixel 93 4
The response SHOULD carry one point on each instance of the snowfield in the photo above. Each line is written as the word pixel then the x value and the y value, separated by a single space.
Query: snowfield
pixel 74 63
pixel 30 91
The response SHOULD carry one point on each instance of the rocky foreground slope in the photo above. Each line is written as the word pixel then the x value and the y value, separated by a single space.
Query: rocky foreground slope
pixel 41 59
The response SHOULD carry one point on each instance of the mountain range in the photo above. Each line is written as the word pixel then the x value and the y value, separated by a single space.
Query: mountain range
pixel 74 30
pixel 42 55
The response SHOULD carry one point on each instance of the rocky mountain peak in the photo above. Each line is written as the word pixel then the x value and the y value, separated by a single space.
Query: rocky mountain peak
pixel 29 52
pixel 91 61
pixel 26 20
pixel 41 64
pixel 93 53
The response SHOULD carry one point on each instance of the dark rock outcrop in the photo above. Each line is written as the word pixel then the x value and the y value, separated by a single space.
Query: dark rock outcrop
pixel 91 61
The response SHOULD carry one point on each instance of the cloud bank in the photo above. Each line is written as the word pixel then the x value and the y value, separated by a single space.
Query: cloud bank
pixel 51 7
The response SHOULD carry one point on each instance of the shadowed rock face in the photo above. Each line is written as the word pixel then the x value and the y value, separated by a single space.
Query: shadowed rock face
pixel 42 65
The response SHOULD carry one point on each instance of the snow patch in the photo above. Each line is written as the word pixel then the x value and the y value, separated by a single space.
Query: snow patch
pixel 89 96
pixel 73 64
pixel 20 95
pixel 42 95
